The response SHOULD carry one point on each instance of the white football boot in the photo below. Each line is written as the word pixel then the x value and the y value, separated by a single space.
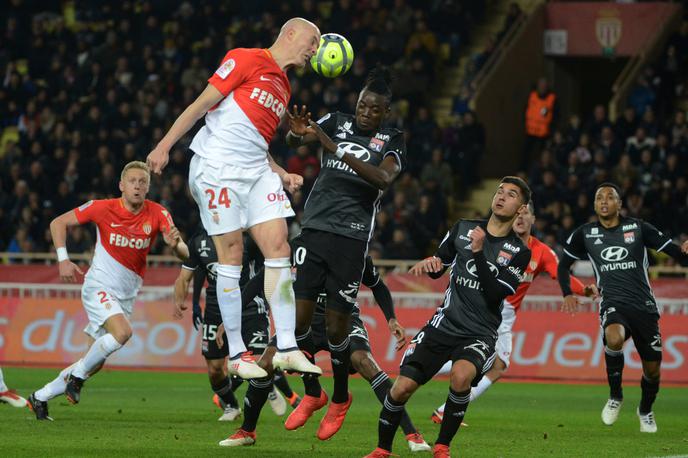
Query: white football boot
pixel 277 402
pixel 611 410
pixel 230 414
pixel 294 360
pixel 245 366
pixel 647 422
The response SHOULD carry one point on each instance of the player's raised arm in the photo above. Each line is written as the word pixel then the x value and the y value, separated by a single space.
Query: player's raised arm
pixel 58 231
pixel 158 158
pixel 300 132
pixel 379 176
pixel 173 238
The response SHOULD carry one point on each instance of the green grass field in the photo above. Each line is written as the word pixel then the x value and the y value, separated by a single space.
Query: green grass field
pixel 170 414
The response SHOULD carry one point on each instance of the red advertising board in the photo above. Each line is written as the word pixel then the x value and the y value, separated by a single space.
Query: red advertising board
pixel 46 330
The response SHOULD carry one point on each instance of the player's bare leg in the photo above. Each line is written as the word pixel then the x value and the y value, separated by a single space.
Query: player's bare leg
pixel 496 372
pixel 271 238
pixel 229 249
pixel 614 336
pixel 256 396
pixel 38 401
pixel 649 385
pixel 364 364
pixel 8 396
pixel 118 333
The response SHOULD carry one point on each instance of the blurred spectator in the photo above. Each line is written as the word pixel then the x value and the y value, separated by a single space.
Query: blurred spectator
pixel 540 116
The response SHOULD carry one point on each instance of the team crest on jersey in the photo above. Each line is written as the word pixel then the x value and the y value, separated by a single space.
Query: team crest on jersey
pixel 147 227
pixel 376 144
pixel 226 68
pixel 503 258
pixel 629 237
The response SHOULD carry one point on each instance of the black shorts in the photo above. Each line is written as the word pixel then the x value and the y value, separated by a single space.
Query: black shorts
pixel 642 326
pixel 328 262
pixel 255 332
pixel 430 349
pixel 358 334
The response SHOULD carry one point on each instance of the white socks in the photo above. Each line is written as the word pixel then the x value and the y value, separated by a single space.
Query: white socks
pixel 103 347
pixel 483 385
pixel 57 386
pixel 229 300
pixel 280 295
pixel 3 387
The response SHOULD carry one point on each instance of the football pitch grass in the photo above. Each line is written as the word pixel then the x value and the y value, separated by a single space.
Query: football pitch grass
pixel 162 414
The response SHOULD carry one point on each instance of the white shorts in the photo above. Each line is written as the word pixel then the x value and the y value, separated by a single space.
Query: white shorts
pixel 100 305
pixel 504 335
pixel 230 198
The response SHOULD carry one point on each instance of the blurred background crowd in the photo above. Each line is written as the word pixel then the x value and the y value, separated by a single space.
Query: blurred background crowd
pixel 90 86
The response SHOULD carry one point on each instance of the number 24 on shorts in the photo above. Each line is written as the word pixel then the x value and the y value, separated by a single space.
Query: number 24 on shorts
pixel 222 198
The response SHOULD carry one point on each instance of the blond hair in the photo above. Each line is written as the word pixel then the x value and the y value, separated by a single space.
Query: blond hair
pixel 135 165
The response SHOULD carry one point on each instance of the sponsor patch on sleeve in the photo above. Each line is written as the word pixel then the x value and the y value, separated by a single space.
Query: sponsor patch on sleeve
pixel 226 68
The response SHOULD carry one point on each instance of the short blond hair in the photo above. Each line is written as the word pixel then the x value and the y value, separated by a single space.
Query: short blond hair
pixel 135 165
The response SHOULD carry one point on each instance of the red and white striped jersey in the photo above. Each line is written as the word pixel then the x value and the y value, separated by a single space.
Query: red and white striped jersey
pixel 124 240
pixel 239 129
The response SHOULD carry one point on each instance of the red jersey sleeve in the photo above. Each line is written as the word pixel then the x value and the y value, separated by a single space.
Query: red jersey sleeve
pixel 233 71
pixel 90 211
pixel 551 263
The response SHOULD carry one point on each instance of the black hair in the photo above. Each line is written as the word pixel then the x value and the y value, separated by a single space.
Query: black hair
pixel 522 186
pixel 379 81
pixel 609 184
pixel 531 207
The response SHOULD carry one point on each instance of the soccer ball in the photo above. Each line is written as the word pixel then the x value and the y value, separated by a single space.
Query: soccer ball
pixel 334 57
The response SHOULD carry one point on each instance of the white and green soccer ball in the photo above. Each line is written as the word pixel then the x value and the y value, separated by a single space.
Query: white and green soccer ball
pixel 334 57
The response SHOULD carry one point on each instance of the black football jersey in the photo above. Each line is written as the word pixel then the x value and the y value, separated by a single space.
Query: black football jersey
pixel 465 311
pixel 340 201
pixel 619 259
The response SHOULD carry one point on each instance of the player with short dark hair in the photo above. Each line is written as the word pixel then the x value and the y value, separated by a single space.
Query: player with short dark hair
pixel 617 247
pixel 487 262
pixel 255 327
pixel 542 259
pixel 360 159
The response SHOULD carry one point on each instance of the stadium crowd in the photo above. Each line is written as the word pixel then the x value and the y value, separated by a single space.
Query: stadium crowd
pixel 87 88
pixel 645 152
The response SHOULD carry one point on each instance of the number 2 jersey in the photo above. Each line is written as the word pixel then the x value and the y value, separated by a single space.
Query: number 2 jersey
pixel 341 202
pixel 465 311
pixel 123 242
pixel 619 259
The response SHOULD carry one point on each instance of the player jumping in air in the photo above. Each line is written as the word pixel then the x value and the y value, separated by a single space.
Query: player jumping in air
pixel 127 228
pixel 255 328
pixel 617 247
pixel 488 261
pixel 542 259
pixel 238 186
pixel 360 159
